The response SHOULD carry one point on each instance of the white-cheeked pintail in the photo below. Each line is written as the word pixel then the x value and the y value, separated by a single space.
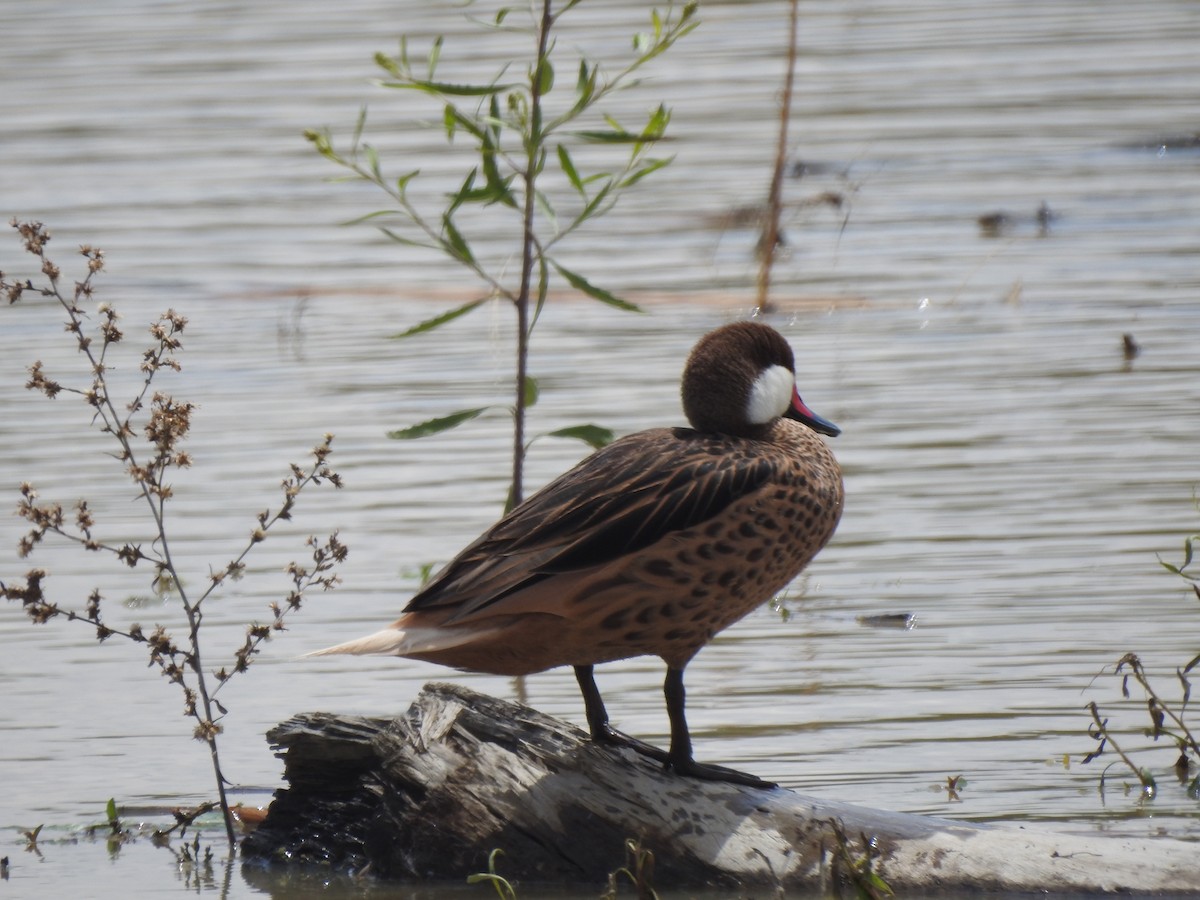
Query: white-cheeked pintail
pixel 650 546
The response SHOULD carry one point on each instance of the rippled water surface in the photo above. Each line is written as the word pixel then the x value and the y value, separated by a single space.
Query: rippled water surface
pixel 1010 476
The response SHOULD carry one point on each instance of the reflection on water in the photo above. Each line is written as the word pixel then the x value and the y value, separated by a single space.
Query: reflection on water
pixel 1010 476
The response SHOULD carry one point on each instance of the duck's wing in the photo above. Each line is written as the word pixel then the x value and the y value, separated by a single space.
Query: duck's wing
pixel 618 501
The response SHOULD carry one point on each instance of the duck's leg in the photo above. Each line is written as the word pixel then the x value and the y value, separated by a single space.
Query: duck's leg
pixel 680 756
pixel 597 718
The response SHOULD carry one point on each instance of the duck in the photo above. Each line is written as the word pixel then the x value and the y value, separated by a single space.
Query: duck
pixel 650 546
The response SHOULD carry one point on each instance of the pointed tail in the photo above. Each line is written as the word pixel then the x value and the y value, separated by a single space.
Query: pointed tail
pixel 388 642
pixel 398 642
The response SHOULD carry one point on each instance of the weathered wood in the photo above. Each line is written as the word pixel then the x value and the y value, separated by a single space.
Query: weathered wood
pixel 429 794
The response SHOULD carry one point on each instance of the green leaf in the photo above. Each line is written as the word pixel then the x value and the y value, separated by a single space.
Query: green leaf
pixel 532 391
pixel 542 289
pixel 455 243
pixel 615 136
pixel 568 167
pixel 447 89
pixel 585 89
pixel 651 165
pixel 487 195
pixel 436 321
pixel 493 120
pixel 452 114
pixel 543 203
pixel 545 76
pixel 322 142
pixel 594 204
pixel 403 180
pixel 595 436
pixel 373 162
pixel 497 185
pixel 463 194
pixel 367 217
pixel 419 573
pixel 359 126
pixel 665 34
pixel 389 65
pixel 656 125
pixel 407 241
pixel 582 284
pixel 495 191
pixel 110 809
pixel 501 15
pixel 537 137
pixel 434 55
pixel 435 426
pixel 881 887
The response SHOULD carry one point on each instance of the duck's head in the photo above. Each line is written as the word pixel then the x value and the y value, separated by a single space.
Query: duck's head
pixel 742 377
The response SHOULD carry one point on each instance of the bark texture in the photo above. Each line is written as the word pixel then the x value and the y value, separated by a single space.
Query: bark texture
pixel 430 794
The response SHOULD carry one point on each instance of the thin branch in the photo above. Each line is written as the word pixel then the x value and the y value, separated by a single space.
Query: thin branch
pixel 770 235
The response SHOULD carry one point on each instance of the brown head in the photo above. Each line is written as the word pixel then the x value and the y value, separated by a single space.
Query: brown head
pixel 740 379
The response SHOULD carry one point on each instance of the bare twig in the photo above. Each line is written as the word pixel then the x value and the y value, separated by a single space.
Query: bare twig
pixel 770 235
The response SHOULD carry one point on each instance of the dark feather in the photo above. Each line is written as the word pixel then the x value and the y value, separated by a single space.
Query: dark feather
pixel 622 499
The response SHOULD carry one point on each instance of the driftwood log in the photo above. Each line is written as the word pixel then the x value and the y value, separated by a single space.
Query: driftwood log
pixel 429 794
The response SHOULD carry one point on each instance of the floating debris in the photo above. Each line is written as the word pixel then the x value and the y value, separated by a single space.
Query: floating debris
pixel 1000 222
pixel 1129 347
pixel 888 620
pixel 994 224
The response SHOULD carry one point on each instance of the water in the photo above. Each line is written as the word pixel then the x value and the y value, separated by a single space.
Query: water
pixel 1010 478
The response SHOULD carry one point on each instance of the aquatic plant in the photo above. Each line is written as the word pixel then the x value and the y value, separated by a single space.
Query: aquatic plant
pixel 520 132
pixel 1167 717
pixel 149 432
pixel 638 869
pixel 503 886
pixel 848 868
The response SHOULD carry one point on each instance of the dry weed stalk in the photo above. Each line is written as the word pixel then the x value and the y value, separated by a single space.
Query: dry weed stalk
pixel 162 423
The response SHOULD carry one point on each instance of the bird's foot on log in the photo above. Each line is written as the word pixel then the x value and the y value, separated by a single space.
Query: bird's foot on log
pixel 692 769
pixel 687 767
pixel 613 738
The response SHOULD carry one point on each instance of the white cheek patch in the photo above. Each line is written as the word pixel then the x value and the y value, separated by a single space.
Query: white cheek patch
pixel 770 396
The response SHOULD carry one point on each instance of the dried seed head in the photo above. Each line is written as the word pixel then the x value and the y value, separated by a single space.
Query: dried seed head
pixel 39 382
pixel 206 730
